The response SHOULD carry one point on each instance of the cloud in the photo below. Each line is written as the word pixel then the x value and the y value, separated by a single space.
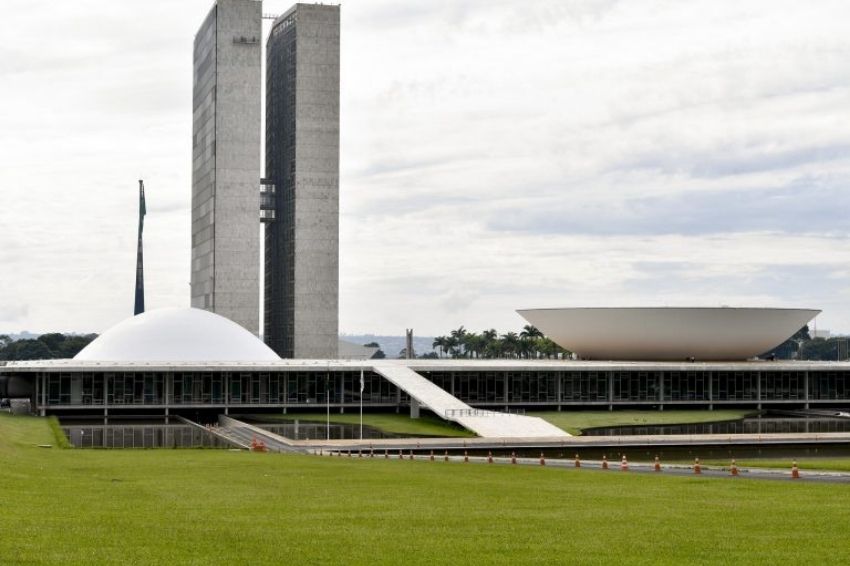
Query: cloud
pixel 495 155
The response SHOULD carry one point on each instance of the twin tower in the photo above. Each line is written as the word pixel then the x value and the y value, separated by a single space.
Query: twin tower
pixel 294 206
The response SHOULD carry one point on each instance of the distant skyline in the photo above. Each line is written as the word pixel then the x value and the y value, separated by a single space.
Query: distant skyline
pixel 494 155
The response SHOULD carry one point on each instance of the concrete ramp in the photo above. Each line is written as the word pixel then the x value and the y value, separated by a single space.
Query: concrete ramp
pixel 488 424
pixel 244 434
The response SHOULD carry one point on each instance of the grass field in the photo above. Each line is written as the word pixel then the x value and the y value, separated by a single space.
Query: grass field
pixel 570 421
pixel 388 422
pixel 221 507
pixel 574 421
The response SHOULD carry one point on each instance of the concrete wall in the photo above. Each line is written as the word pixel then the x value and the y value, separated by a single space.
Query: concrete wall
pixel 302 246
pixel 226 162
pixel 316 316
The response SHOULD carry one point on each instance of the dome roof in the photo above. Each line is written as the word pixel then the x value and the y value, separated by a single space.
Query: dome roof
pixel 177 335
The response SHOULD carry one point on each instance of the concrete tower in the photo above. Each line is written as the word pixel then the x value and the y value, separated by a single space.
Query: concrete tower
pixel 226 131
pixel 302 162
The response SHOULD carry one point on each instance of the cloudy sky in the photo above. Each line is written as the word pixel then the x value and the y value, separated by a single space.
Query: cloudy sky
pixel 495 155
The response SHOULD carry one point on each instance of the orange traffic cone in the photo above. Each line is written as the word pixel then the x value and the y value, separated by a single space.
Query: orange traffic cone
pixel 657 464
pixel 489 457
pixel 604 462
pixel 513 457
pixel 542 459
pixel 734 468
pixel 624 464
pixel 465 456
pixel 697 467
pixel 795 471
pixel 578 462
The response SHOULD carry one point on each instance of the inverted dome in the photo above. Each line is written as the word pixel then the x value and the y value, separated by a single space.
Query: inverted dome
pixel 177 335
pixel 669 333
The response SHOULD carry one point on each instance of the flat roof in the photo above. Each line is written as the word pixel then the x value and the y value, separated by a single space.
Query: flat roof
pixel 421 365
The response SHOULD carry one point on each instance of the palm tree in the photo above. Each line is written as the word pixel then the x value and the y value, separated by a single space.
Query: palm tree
pixel 440 342
pixel 459 335
pixel 452 345
pixel 510 343
pixel 530 331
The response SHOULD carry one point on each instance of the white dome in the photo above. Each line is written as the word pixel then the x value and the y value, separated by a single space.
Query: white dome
pixel 177 335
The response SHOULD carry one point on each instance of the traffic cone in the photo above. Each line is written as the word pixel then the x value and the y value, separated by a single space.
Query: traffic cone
pixel 697 467
pixel 624 464
pixel 657 464
pixel 465 456
pixel 604 462
pixel 432 455
pixel 795 471
pixel 734 468
pixel 542 459
pixel 513 457
pixel 489 457
pixel 578 462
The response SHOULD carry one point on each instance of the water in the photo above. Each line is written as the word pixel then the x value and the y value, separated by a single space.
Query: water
pixel 139 435
pixel 753 425
pixel 311 430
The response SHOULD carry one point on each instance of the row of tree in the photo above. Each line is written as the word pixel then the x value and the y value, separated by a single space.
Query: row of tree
pixel 802 346
pixel 529 343
pixel 46 347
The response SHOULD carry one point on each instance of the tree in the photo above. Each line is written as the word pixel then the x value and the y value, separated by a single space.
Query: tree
pixel 28 350
pixel 440 342
pixel 458 336
pixel 530 331
pixel 510 343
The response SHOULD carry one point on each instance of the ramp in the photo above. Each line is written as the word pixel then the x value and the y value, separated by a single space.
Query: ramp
pixel 245 433
pixel 488 424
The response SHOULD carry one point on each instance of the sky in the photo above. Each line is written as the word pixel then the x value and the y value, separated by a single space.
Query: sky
pixel 495 155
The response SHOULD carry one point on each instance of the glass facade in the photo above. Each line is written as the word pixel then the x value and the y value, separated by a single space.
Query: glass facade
pixel 294 388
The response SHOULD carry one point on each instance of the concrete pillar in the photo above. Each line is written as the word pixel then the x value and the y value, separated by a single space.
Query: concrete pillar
pixel 610 390
pixel 505 391
pixel 414 408
pixel 758 390
pixel 560 386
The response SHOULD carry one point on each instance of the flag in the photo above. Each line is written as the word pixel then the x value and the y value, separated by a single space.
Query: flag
pixel 362 386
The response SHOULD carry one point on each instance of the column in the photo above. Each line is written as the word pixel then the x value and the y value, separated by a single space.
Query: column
pixel 710 391
pixel 610 390
pixel 758 390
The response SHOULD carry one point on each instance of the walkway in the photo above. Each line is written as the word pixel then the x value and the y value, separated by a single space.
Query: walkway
pixel 487 424
pixel 244 434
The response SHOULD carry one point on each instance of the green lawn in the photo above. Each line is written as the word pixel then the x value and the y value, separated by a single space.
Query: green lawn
pixel 575 421
pixel 222 507
pixel 388 422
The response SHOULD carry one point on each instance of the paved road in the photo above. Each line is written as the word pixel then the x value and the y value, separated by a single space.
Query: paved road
pixel 595 466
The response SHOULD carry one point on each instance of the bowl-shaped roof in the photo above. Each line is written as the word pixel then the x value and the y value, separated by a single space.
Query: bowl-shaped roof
pixel 177 335
pixel 668 333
